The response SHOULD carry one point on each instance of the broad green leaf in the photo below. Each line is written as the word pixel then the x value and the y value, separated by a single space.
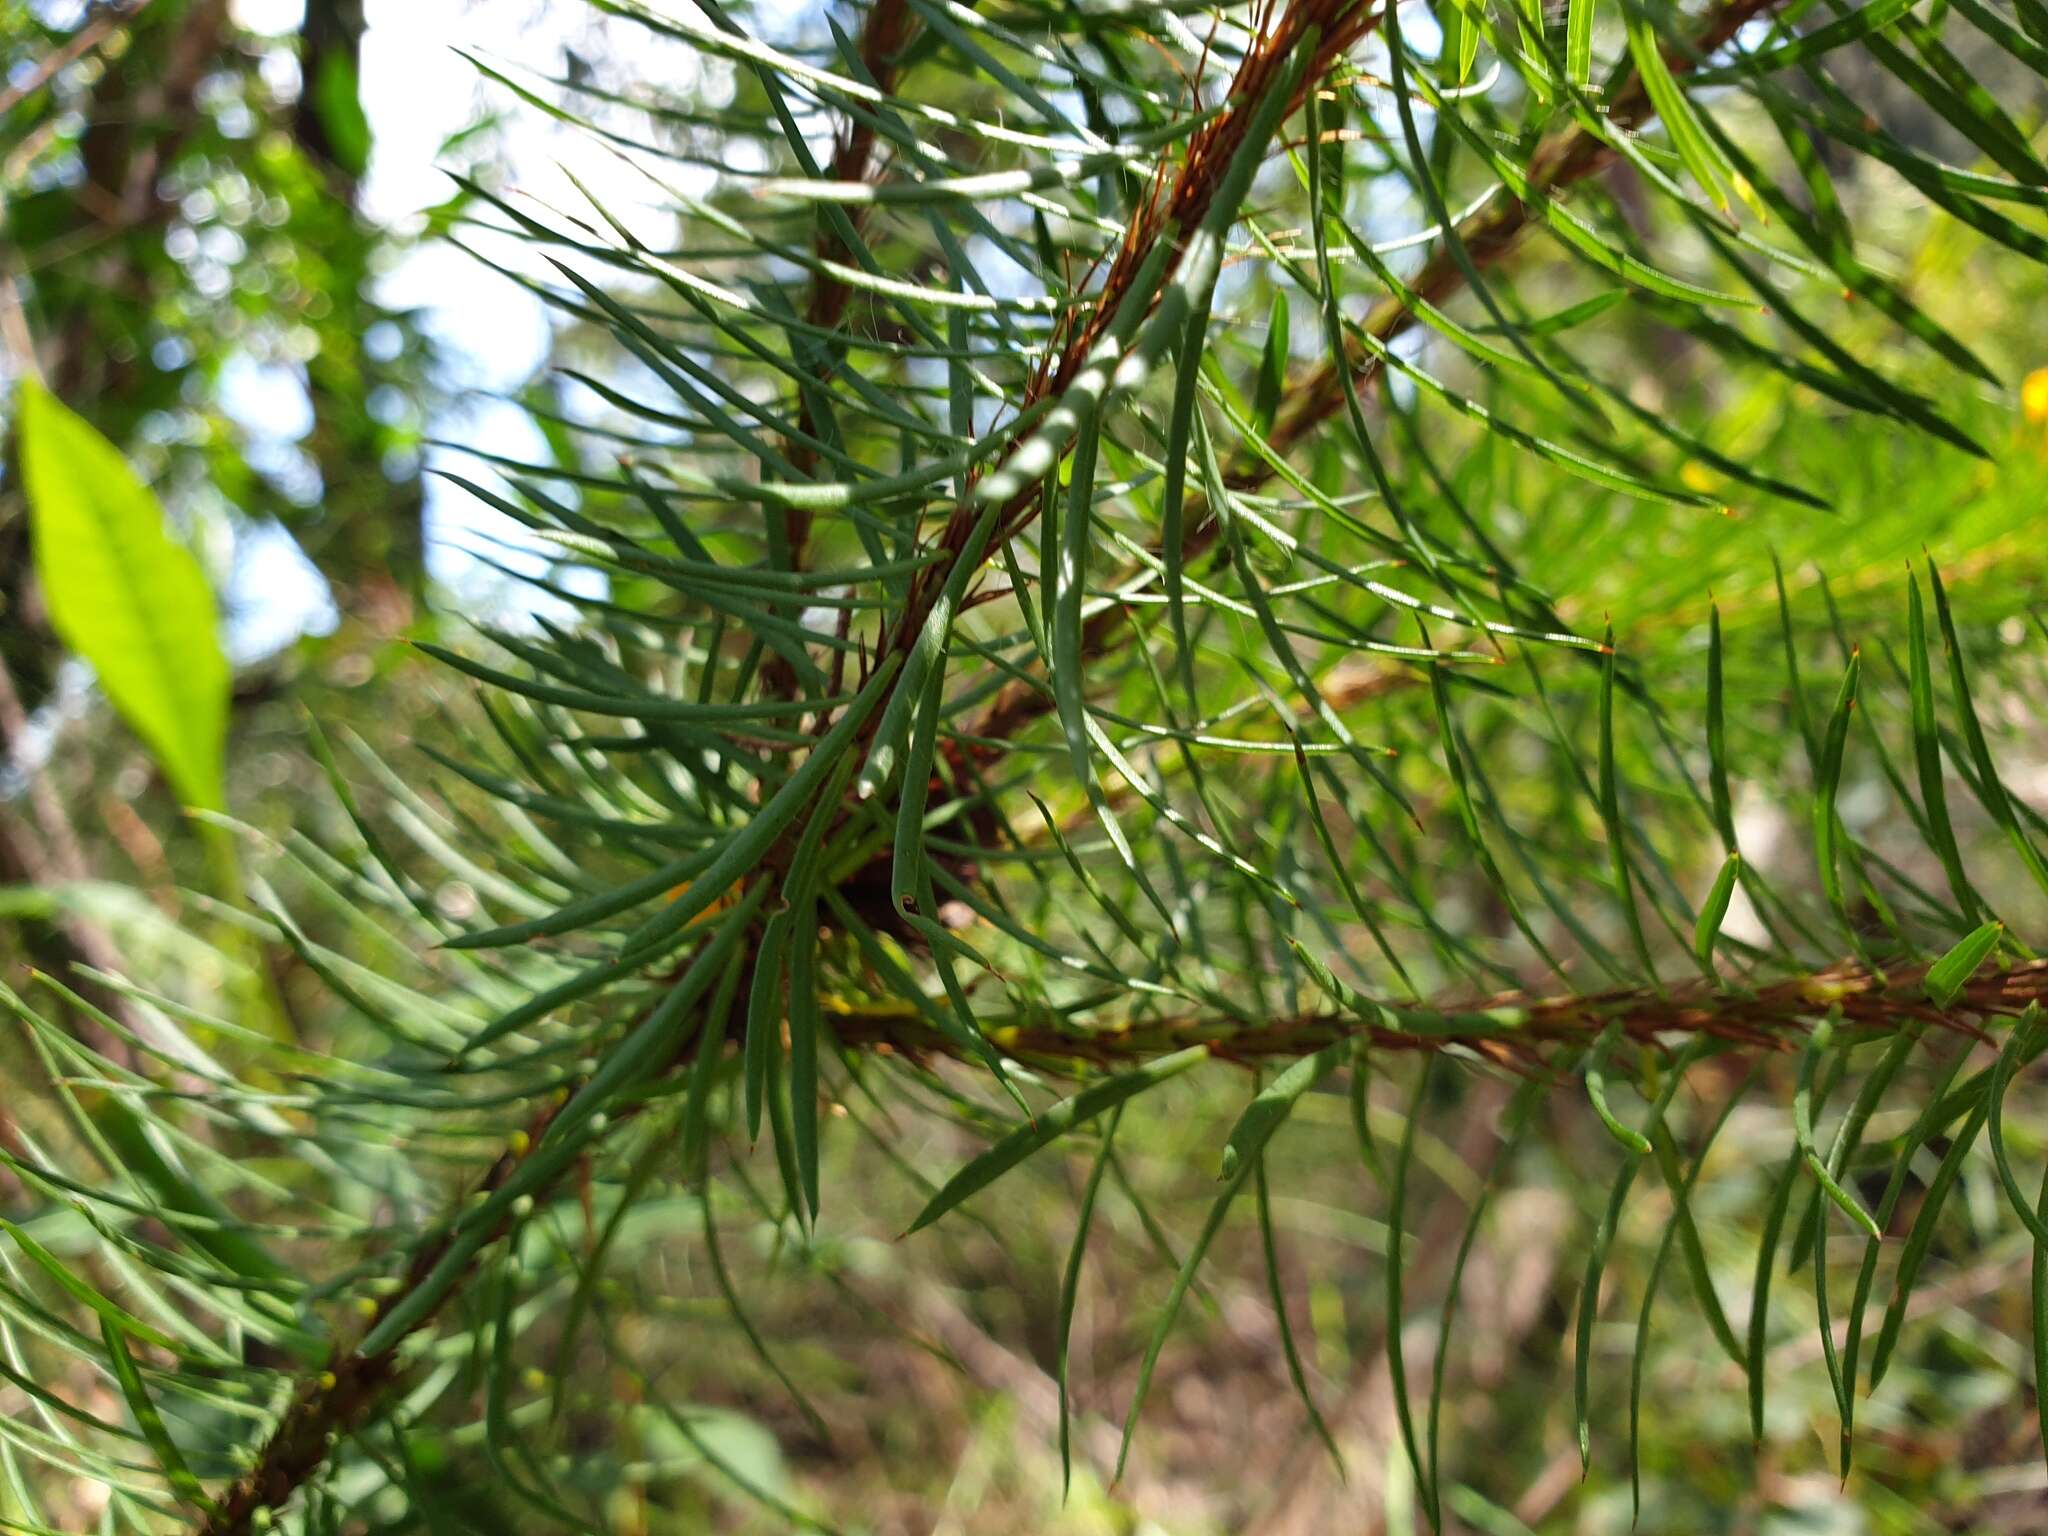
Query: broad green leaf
pixel 125 595
pixel 338 102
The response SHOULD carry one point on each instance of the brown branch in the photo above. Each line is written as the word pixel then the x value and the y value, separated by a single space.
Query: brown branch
pixel 1330 28
pixel 1514 1029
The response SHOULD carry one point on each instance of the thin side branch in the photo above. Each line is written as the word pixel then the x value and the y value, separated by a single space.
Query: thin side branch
pixel 1330 28
pixel 1514 1029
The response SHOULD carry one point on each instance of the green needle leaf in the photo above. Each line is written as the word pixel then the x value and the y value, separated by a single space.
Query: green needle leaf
pixel 1990 790
pixel 1920 1237
pixel 1272 382
pixel 1713 912
pixel 107 1311
pixel 1247 1141
pixel 1947 977
pixel 1610 814
pixel 1276 1294
pixel 1070 1287
pixel 1596 1090
pixel 1927 753
pixel 1827 784
pixel 2018 1045
pixel 129 1379
pixel 1049 1126
pixel 1578 43
pixel 1802 1128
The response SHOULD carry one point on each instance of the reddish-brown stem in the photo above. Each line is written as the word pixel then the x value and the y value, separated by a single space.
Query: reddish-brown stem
pixel 1568 156
pixel 1515 1029
pixel 1336 26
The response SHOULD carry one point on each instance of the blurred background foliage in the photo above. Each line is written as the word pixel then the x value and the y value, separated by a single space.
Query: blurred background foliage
pixel 186 256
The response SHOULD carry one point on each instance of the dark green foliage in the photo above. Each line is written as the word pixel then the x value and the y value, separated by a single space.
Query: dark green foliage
pixel 1483 745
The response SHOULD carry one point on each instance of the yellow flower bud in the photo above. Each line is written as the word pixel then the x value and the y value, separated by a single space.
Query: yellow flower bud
pixel 2034 398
